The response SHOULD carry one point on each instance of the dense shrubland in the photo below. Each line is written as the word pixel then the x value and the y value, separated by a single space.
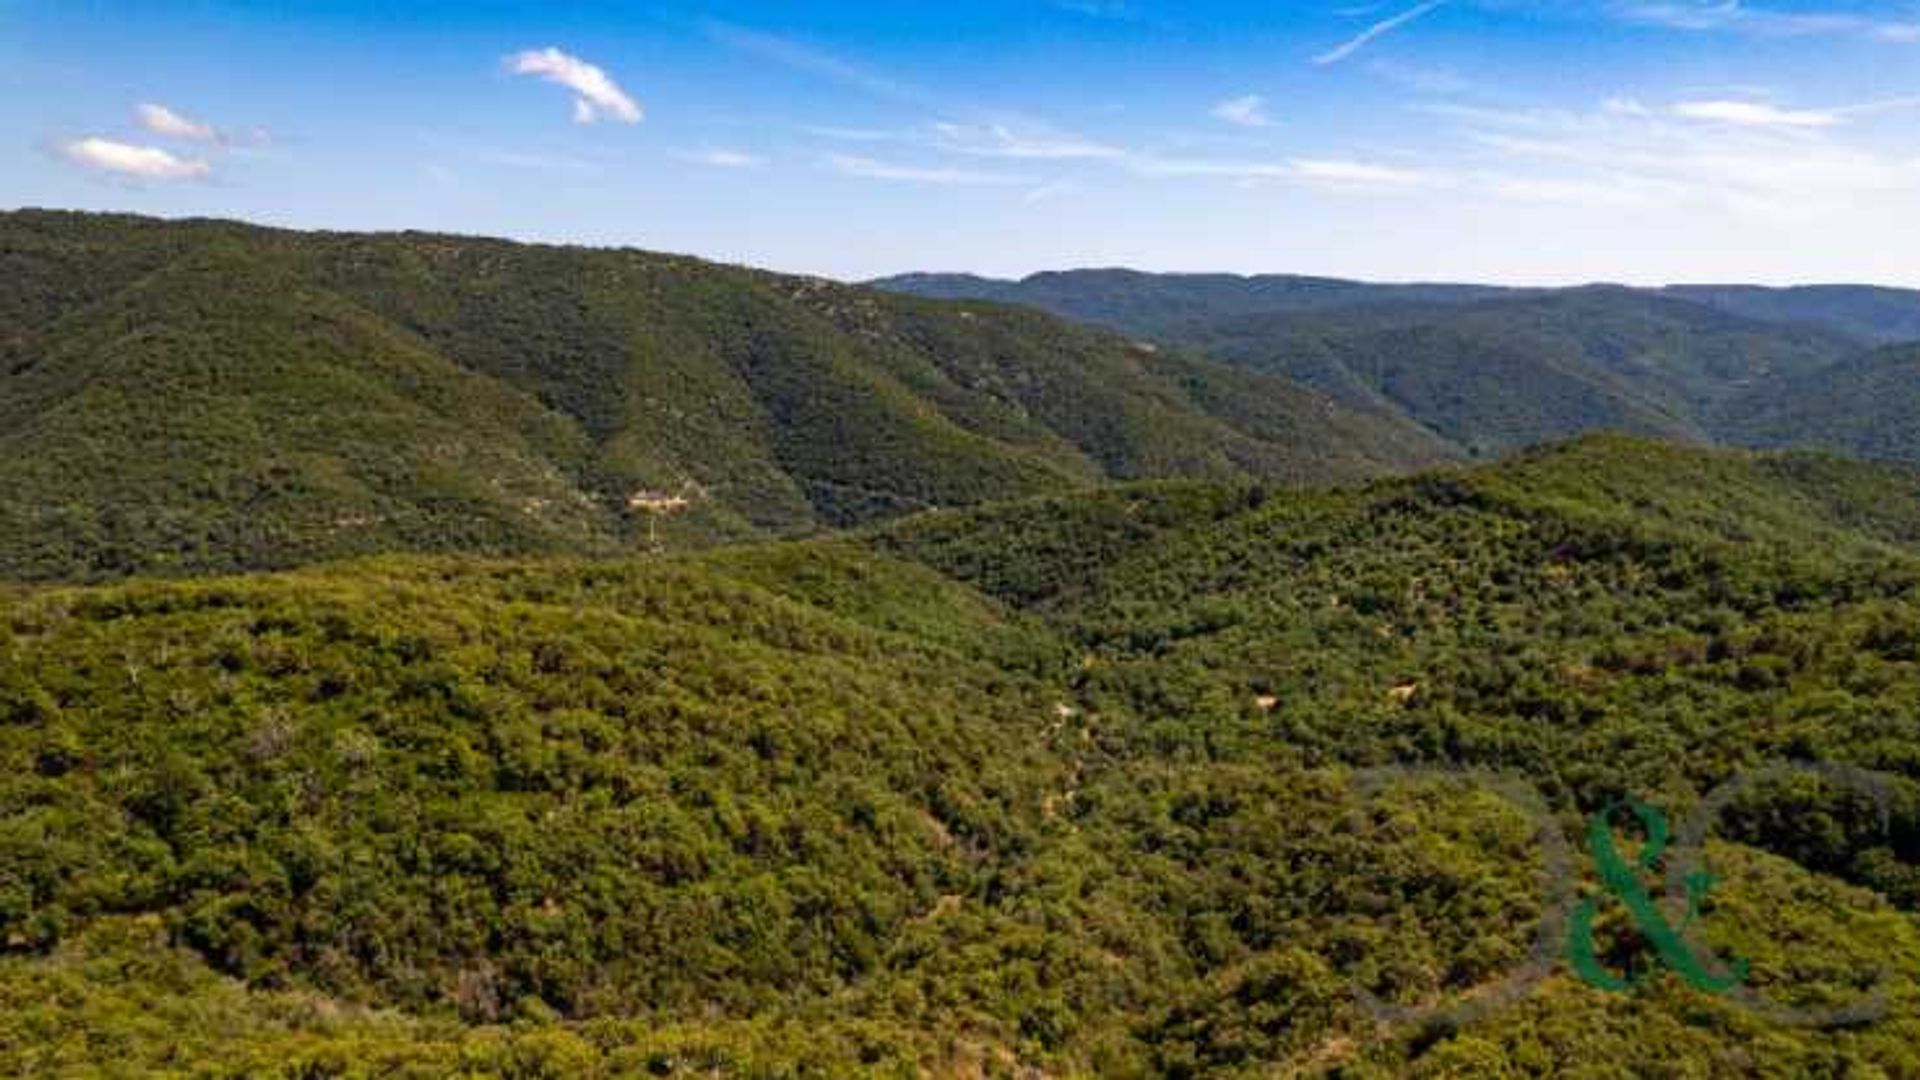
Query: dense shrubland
pixel 1490 370
pixel 1063 786
pixel 193 397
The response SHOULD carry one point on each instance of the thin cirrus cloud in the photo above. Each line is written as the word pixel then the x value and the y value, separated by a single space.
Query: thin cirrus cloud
pixel 1375 32
pixel 161 120
pixel 1359 174
pixel 130 161
pixel 808 60
pixel 1151 165
pixel 1050 191
pixel 1734 16
pixel 715 158
pixel 595 92
pixel 1421 79
pixel 1054 147
pixel 1339 173
pixel 1248 112
pixel 1754 114
pixel 872 169
pixel 1626 154
pixel 1100 9
pixel 847 134
pixel 1004 141
pixel 987 140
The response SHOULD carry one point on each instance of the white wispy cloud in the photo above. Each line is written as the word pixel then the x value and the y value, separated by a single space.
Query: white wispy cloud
pixel 1375 32
pixel 1624 154
pixel 811 61
pixel 1884 105
pixel 135 162
pixel 1605 192
pixel 1247 111
pixel 1007 141
pixel 1443 82
pixel 171 123
pixel 164 121
pixel 872 169
pixel 1019 142
pixel 1322 172
pixel 1754 114
pixel 1120 10
pixel 1343 173
pixel 847 134
pixel 1760 114
pixel 1737 16
pixel 1041 144
pixel 1050 191
pixel 596 94
pixel 716 158
pixel 1157 165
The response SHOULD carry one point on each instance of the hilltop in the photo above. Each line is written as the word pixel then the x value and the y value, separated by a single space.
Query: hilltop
pixel 1492 370
pixel 1063 786
pixel 1171 305
pixel 203 396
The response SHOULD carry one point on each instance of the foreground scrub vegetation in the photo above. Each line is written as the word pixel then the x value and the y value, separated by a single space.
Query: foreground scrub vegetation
pixel 1059 787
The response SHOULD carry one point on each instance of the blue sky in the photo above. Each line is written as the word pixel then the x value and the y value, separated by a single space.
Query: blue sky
pixel 1538 141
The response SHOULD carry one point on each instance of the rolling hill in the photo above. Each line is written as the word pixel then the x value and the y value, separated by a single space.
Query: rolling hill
pixel 1174 305
pixel 1868 313
pixel 211 396
pixel 1065 786
pixel 1490 370
pixel 1867 407
pixel 1003 702
pixel 1497 375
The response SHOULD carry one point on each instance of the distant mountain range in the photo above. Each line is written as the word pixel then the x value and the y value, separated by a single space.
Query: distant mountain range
pixel 1175 305
pixel 1489 369
pixel 1864 312
pixel 207 395
pixel 1163 304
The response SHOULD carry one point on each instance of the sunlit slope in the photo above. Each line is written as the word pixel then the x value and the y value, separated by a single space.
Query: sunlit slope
pixel 1868 407
pixel 1064 786
pixel 1491 370
pixel 203 396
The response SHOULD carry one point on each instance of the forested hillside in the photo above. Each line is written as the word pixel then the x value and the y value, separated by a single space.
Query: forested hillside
pixel 1173 305
pixel 1492 370
pixel 1498 375
pixel 1865 312
pixel 1868 407
pixel 1060 787
pixel 200 396
pixel 1177 306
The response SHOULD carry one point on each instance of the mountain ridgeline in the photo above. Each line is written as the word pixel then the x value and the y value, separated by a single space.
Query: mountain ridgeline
pixel 195 396
pixel 1491 370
